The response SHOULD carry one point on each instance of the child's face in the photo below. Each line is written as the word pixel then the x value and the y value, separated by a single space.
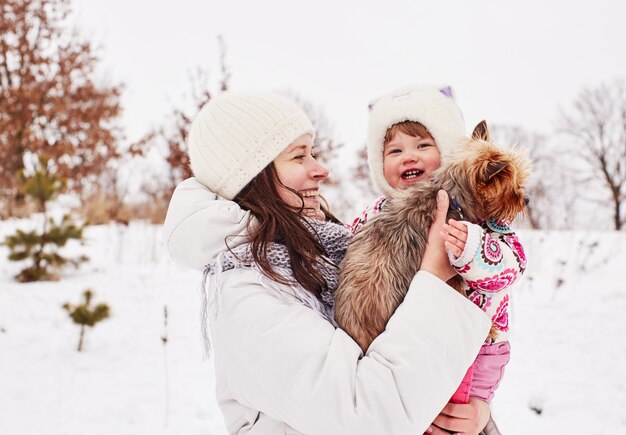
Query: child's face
pixel 408 159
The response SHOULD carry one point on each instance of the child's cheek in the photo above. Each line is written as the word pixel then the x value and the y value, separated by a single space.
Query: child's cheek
pixel 388 173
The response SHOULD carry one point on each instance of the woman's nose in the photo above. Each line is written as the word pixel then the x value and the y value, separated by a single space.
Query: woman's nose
pixel 319 172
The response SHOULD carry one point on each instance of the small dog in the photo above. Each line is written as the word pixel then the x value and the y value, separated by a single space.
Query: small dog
pixel 481 180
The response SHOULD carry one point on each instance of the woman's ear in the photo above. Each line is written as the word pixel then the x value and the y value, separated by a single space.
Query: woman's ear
pixel 481 131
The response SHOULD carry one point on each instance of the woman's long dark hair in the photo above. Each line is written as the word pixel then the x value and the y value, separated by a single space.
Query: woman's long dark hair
pixel 278 222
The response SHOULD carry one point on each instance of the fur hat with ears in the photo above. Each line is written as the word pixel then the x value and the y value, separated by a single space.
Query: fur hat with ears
pixel 237 134
pixel 432 106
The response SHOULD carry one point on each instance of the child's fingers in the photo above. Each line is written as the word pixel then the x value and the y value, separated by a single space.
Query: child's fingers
pixel 453 240
pixel 460 225
pixel 456 251
pixel 456 229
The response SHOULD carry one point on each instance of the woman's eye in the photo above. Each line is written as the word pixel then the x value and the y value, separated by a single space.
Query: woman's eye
pixel 299 157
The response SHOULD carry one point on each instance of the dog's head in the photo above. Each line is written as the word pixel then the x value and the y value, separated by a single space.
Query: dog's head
pixel 495 177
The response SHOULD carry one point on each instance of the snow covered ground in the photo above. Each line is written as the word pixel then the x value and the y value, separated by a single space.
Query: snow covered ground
pixel 566 375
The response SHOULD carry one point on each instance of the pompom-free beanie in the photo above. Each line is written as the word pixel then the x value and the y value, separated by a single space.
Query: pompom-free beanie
pixel 432 106
pixel 237 134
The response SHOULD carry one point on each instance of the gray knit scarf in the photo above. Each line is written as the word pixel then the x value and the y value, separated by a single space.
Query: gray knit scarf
pixel 333 237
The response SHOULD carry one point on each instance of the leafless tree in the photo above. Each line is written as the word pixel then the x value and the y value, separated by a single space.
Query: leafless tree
pixel 596 122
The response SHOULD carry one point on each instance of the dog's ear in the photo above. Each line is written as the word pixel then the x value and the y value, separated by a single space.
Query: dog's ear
pixel 481 131
pixel 493 168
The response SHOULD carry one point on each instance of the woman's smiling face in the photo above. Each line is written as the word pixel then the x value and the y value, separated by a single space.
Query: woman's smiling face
pixel 298 170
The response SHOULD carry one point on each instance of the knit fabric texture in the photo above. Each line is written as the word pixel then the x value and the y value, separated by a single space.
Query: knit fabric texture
pixel 432 106
pixel 333 237
pixel 237 134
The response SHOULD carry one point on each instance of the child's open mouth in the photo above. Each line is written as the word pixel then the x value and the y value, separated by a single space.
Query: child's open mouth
pixel 411 174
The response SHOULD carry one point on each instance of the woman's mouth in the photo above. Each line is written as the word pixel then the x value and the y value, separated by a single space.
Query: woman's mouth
pixel 310 194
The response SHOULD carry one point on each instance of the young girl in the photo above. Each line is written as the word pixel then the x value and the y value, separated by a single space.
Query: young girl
pixel 281 366
pixel 411 131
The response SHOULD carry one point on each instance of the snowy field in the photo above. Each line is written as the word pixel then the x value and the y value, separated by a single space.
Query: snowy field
pixel 566 376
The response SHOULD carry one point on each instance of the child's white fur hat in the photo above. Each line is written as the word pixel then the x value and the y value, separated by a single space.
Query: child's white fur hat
pixel 432 106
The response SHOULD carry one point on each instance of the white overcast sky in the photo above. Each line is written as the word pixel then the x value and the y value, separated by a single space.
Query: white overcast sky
pixel 509 62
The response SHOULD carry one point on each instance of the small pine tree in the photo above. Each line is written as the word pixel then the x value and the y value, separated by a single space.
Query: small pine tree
pixel 84 315
pixel 42 247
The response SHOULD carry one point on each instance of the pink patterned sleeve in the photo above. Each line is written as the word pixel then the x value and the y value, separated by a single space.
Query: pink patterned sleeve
pixel 371 210
pixel 491 260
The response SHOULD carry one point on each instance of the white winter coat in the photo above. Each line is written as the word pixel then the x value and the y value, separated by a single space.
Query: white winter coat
pixel 282 369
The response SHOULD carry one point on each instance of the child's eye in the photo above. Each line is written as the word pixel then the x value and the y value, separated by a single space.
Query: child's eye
pixel 424 145
pixel 394 151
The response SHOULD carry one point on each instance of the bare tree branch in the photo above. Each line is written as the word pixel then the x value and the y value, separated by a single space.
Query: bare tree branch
pixel 596 123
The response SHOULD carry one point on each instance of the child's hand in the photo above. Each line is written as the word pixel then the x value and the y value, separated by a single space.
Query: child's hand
pixel 454 235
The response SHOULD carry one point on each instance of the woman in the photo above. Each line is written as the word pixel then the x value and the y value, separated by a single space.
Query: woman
pixel 281 365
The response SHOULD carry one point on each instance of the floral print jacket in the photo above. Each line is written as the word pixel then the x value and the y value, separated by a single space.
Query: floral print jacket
pixel 492 261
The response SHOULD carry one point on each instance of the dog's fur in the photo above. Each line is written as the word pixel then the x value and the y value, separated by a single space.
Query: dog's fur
pixel 382 259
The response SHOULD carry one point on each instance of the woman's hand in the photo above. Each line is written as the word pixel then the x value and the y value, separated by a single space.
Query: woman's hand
pixel 435 258
pixel 465 419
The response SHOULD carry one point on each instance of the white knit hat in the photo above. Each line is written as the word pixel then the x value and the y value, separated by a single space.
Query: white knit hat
pixel 237 134
pixel 432 106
